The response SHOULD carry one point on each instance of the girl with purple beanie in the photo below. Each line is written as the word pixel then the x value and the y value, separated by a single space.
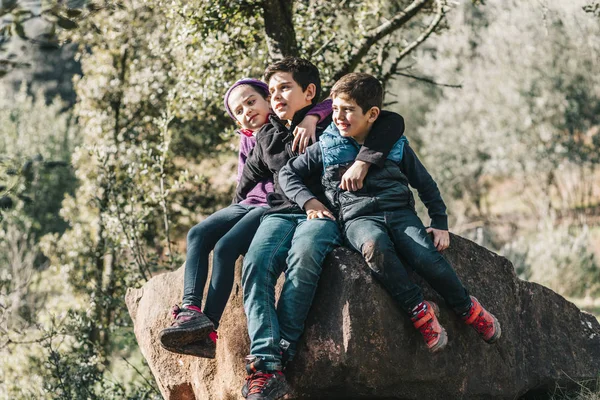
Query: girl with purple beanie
pixel 227 232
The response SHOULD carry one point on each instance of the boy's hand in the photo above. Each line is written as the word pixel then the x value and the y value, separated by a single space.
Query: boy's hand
pixel 305 133
pixel 441 238
pixel 353 178
pixel 315 209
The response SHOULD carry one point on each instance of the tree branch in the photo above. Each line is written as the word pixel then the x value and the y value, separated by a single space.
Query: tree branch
pixel 379 33
pixel 408 49
pixel 418 78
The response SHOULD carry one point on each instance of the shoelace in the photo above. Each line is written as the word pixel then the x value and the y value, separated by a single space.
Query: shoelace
pixel 427 331
pixel 481 324
pixel 175 311
pixel 257 382
pixel 179 314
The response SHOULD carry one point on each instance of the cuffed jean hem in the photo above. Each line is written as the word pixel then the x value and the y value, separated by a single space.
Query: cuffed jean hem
pixel 269 365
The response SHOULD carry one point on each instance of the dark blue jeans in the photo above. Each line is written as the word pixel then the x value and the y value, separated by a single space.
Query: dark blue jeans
pixel 229 233
pixel 381 238
pixel 290 243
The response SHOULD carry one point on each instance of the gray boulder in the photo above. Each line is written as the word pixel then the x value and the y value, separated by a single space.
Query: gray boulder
pixel 359 345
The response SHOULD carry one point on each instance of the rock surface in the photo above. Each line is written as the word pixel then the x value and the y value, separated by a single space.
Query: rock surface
pixel 359 345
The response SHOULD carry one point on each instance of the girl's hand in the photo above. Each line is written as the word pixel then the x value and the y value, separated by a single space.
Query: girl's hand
pixel 305 133
pixel 441 238
pixel 315 209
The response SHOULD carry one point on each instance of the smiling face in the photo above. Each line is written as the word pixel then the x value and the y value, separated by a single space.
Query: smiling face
pixel 250 109
pixel 350 119
pixel 287 96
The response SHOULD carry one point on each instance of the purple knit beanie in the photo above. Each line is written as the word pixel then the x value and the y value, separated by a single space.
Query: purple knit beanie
pixel 259 85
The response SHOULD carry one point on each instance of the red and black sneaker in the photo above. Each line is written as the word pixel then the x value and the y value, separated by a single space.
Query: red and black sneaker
pixel 261 385
pixel 484 322
pixel 426 322
pixel 190 325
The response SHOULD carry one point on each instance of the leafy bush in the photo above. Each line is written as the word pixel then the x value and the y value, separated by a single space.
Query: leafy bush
pixel 557 256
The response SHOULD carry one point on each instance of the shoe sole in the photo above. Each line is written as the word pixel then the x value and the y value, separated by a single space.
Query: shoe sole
pixel 194 349
pixel 279 394
pixel 183 335
pixel 443 338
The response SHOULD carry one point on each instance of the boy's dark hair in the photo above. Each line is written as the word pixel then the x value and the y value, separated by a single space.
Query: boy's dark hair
pixel 303 71
pixel 364 89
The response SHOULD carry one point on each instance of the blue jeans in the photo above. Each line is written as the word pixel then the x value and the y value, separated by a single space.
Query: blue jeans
pixel 290 243
pixel 229 233
pixel 382 238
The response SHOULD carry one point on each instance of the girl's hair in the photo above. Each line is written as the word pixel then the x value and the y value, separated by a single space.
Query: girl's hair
pixel 260 87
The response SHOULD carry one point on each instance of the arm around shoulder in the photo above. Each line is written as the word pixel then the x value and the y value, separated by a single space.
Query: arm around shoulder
pixel 386 131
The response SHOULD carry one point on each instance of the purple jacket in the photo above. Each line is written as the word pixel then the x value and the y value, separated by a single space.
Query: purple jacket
pixel 258 195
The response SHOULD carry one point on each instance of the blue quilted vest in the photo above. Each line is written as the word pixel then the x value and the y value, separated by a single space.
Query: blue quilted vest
pixel 384 189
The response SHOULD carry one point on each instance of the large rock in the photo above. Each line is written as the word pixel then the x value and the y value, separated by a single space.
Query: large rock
pixel 359 345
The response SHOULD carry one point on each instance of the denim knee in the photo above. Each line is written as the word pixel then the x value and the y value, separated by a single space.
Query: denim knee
pixel 375 251
pixel 304 257
pixel 226 251
pixel 196 235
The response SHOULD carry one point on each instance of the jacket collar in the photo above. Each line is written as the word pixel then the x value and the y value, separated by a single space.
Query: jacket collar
pixel 300 114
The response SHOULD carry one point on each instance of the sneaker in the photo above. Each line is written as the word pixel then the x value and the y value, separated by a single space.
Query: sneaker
pixel 484 323
pixel 426 322
pixel 190 325
pixel 206 348
pixel 262 385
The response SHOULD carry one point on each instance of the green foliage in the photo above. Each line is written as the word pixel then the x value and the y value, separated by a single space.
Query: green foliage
pixel 558 257
pixel 525 106
pixel 593 8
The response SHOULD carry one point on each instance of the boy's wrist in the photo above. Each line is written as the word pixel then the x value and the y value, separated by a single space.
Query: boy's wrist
pixel 304 200
pixel 440 223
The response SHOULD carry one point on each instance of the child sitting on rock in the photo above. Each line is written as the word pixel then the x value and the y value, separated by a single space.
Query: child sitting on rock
pixel 379 220
pixel 228 232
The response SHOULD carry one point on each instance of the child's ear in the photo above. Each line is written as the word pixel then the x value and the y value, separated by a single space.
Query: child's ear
pixel 374 113
pixel 310 92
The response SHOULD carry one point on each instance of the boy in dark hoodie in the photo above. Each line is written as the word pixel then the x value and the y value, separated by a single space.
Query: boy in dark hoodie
pixel 290 239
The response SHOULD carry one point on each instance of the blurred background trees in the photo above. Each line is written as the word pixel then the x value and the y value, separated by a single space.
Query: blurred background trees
pixel 101 175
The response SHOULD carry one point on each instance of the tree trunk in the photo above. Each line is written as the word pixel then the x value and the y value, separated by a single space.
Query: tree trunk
pixel 279 28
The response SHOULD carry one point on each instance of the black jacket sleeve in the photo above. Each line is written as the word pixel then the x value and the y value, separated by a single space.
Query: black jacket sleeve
pixel 420 179
pixel 254 171
pixel 386 131
pixel 292 175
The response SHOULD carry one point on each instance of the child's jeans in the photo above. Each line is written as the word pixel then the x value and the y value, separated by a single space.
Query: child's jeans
pixel 229 232
pixel 381 238
pixel 290 243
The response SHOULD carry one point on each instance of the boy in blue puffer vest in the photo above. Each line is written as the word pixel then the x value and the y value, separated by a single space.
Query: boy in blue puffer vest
pixel 379 219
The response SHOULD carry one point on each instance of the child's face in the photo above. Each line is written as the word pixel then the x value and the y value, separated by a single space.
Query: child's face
pixel 250 109
pixel 350 120
pixel 287 96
